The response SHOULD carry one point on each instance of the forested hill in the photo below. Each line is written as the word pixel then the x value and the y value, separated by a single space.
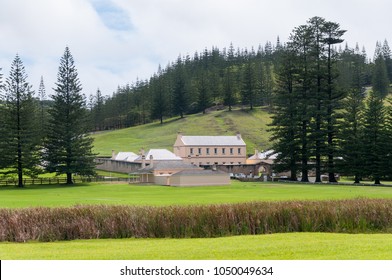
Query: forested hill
pixel 322 116
pixel 229 76
pixel 251 124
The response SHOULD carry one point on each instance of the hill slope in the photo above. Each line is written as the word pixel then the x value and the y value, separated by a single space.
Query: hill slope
pixel 251 124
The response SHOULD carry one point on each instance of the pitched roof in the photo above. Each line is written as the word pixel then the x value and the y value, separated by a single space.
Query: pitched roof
pixel 159 154
pixel 213 140
pixel 270 154
pixel 167 164
pixel 126 156
pixel 204 172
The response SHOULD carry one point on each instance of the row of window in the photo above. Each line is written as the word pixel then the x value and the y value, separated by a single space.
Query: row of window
pixel 216 163
pixel 215 150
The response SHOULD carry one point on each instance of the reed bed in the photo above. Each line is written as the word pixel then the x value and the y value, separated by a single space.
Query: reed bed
pixel 104 221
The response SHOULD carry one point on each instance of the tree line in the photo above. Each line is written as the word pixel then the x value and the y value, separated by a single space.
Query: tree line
pixel 213 77
pixel 37 135
pixel 324 118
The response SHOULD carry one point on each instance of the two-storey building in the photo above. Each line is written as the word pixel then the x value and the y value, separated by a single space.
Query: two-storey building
pixel 211 150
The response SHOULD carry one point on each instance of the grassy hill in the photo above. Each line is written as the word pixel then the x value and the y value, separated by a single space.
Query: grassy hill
pixel 251 124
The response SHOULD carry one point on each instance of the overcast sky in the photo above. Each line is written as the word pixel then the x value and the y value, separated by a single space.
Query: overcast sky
pixel 114 42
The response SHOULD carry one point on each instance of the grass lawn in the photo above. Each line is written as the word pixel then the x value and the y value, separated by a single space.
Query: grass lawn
pixel 289 246
pixel 104 193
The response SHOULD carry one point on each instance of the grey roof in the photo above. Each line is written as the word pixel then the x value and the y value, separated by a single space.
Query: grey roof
pixel 126 156
pixel 204 172
pixel 270 154
pixel 159 154
pixel 161 165
pixel 213 141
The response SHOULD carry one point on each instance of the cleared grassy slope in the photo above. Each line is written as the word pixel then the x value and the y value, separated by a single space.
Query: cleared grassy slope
pixel 251 124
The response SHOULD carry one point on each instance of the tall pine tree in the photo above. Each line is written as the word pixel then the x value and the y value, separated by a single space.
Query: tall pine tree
pixel 20 123
pixel 68 147
pixel 374 138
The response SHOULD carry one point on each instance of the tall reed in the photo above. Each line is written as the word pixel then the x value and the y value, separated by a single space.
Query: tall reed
pixel 88 222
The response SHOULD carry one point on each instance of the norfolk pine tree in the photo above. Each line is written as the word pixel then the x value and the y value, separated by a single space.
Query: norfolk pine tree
pixel 20 123
pixel 375 140
pixel 68 147
pixel 3 130
pixel 285 125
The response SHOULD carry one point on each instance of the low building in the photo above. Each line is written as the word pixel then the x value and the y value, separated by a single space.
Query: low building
pixel 179 173
pixel 211 150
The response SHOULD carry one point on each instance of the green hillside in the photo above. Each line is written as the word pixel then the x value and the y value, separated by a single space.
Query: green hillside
pixel 251 124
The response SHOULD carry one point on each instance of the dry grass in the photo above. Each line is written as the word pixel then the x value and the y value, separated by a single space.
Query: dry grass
pixel 90 222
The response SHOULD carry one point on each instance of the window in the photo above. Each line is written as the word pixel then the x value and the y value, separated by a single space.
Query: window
pixel 223 150
pixel 239 151
pixel 199 150
pixel 191 151
pixel 207 151
pixel 231 151
pixel 215 151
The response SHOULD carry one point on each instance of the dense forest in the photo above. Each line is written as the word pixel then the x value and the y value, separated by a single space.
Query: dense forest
pixel 229 76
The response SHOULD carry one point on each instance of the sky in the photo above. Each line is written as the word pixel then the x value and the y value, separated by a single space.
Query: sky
pixel 116 42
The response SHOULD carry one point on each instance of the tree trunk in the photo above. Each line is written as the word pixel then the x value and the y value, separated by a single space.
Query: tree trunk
pixel 69 179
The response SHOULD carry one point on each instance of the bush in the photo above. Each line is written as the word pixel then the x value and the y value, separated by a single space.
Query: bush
pixel 87 222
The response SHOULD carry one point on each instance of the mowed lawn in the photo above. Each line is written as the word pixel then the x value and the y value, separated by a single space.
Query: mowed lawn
pixel 126 194
pixel 287 246
pixel 273 246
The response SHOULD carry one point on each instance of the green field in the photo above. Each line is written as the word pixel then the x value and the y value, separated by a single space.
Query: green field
pixel 273 246
pixel 251 124
pixel 288 246
pixel 125 194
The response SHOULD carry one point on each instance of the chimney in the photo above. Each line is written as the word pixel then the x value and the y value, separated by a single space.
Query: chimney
pixel 113 154
pixel 238 136
pixel 256 152
pixel 143 161
pixel 142 152
pixel 151 161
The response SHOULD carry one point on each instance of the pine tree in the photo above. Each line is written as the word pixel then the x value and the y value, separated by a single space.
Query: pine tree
pixel 159 106
pixel 229 93
pixel 374 138
pixel 334 95
pixel 301 38
pixel 248 91
pixel 98 111
pixel 3 130
pixel 180 103
pixel 351 135
pixel 285 125
pixel 387 54
pixel 203 98
pixel 380 79
pixel 351 128
pixel 388 147
pixel 43 110
pixel 68 147
pixel 20 123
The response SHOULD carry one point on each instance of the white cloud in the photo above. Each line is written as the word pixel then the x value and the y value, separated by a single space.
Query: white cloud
pixel 115 41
